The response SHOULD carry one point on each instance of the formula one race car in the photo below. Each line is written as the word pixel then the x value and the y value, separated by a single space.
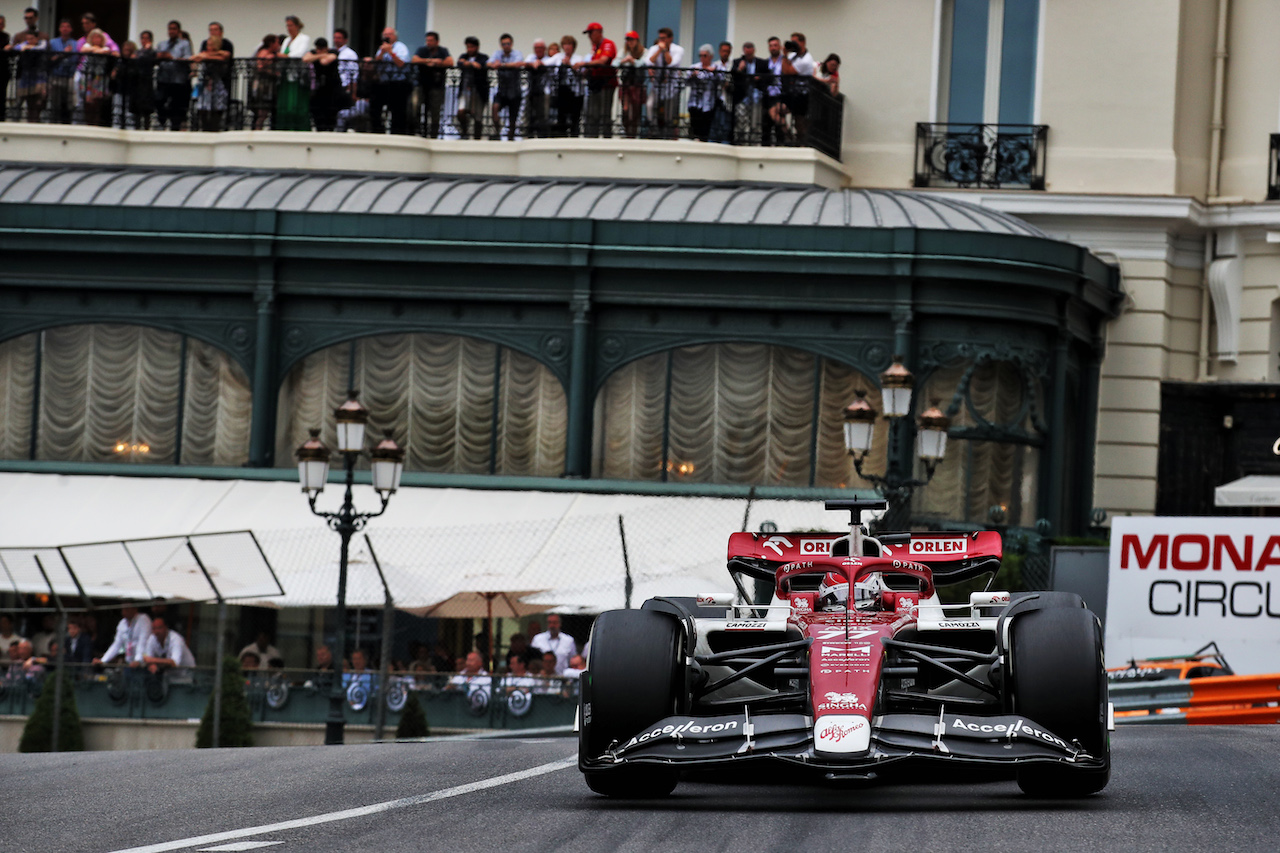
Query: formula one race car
pixel 848 665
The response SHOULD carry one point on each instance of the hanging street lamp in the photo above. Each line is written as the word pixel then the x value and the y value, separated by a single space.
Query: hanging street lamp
pixel 313 471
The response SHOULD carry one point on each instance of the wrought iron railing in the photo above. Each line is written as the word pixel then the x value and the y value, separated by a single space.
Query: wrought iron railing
pixel 993 156
pixel 550 101
pixel 302 696
pixel 1273 169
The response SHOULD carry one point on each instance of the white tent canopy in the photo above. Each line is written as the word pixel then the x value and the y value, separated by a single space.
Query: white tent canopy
pixel 432 544
pixel 1253 490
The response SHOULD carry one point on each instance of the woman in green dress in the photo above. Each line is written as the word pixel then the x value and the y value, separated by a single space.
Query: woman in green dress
pixel 293 105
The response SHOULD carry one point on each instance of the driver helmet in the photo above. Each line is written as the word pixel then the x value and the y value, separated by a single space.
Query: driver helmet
pixel 833 592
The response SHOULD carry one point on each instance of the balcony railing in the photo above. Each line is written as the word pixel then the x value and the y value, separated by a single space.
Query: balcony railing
pixel 551 101
pixel 1273 169
pixel 993 156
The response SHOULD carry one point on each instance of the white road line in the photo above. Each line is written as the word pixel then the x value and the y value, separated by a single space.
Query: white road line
pixel 239 846
pixel 363 811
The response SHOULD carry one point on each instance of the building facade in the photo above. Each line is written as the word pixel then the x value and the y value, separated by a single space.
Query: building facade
pixel 1141 133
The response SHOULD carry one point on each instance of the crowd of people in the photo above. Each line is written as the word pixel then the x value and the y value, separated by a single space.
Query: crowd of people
pixel 148 642
pixel 291 81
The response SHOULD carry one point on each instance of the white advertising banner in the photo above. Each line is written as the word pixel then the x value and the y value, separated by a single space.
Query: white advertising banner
pixel 1178 583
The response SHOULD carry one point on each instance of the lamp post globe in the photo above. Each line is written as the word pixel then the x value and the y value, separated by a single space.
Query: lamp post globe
pixel 896 384
pixel 313 464
pixel 931 441
pixel 388 465
pixel 859 425
pixel 351 417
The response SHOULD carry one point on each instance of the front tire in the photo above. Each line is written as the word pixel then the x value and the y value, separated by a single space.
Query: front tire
pixel 634 679
pixel 1059 681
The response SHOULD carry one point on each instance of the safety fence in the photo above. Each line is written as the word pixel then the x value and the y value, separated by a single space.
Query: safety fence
pixel 1214 700
pixel 633 101
pixel 302 696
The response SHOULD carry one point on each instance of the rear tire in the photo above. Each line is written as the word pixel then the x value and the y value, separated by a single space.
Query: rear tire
pixel 1059 682
pixel 634 680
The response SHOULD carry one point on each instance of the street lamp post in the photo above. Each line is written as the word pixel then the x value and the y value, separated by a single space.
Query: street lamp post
pixel 313 470
pixel 895 485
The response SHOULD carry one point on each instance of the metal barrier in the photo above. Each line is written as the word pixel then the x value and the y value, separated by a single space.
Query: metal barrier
pixel 551 101
pixel 302 696
pixel 1199 701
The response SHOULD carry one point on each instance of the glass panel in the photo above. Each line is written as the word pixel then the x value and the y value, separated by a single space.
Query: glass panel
pixel 968 61
pixel 1018 61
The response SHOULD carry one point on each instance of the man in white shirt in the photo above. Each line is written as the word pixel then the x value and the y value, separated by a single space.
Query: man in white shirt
pixel 665 58
pixel 8 636
pixel 165 650
pixel 131 637
pixel 552 640
pixel 262 648
pixel 475 681
pixel 798 100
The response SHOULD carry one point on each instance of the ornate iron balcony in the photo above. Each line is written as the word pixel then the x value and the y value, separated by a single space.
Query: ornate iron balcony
pixel 992 156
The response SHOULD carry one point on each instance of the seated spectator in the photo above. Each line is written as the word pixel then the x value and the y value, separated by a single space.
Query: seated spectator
pixel 36 665
pixel 358 672
pixel 324 659
pixel 472 676
pixel 249 661
pixel 166 651
pixel 517 677
pixel 262 647
pixel 551 683
pixel 577 665
pixel 534 665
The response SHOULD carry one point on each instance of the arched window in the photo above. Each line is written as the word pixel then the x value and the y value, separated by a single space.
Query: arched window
pixel 993 455
pixel 118 393
pixel 730 413
pixel 456 404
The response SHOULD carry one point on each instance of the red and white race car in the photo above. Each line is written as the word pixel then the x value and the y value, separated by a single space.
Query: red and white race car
pixel 847 665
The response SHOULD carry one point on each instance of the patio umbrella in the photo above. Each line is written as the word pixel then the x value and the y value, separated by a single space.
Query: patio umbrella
pixel 484 599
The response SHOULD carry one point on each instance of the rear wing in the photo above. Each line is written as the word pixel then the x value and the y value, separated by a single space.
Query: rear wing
pixel 952 557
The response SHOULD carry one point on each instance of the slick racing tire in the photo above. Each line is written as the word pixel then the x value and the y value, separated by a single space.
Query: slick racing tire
pixel 634 678
pixel 1059 682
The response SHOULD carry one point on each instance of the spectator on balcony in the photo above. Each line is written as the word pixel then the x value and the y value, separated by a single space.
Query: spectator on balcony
pixel 517 677
pixel 349 74
pixel 774 110
pixel 324 659
pixel 602 80
pixel 508 61
pixel 358 672
pixel 263 80
pixel 328 97
pixel 131 636
pixel 748 78
pixel 20 659
pixel 705 81
pixel 31 20
pixel 796 95
pixel 133 85
pixel 391 87
pixel 261 646
pixel 432 59
pixel 250 662
pixel 666 58
pixel 473 89
pixel 551 682
pixel 61 71
pixel 97 61
pixel 166 651
pixel 173 79
pixel 726 54
pixel 48 631
pixel 554 642
pixel 89 23
pixel 471 676
pixel 79 644
pixel 541 86
pixel 631 89
pixel 293 98
pixel 570 87
pixel 829 73
pixel 212 66
pixel 8 635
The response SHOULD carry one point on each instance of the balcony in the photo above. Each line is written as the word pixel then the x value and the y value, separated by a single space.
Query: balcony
pixel 357 97
pixel 984 156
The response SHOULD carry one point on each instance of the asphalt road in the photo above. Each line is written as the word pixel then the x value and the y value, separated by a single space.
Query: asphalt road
pixel 1172 789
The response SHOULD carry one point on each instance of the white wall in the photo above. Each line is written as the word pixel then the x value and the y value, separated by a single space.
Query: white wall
pixel 244 21
pixel 526 20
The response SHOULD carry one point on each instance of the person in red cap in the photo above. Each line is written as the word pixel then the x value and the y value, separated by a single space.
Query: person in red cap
pixel 631 84
pixel 601 81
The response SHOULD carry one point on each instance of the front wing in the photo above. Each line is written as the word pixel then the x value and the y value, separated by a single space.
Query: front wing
pixel 998 740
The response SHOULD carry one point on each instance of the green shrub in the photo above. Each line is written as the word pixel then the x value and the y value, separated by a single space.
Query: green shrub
pixel 37 735
pixel 413 721
pixel 237 721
